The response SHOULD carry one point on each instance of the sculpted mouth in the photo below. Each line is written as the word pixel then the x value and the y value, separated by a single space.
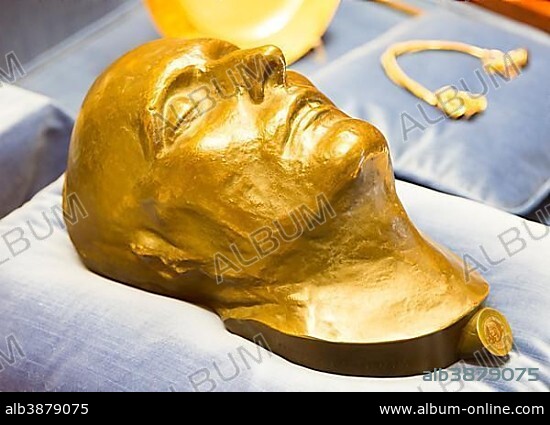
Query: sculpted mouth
pixel 311 115
pixel 306 113
pixel 305 109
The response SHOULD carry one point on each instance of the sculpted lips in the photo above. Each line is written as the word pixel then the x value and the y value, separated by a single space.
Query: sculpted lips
pixel 306 112
pixel 310 115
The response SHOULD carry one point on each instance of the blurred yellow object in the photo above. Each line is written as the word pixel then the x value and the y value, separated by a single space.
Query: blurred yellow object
pixel 295 26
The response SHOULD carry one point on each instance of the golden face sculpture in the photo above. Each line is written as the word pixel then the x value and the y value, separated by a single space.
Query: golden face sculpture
pixel 214 175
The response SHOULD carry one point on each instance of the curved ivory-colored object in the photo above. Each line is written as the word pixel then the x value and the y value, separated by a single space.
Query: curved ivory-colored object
pixel 454 103
pixel 213 175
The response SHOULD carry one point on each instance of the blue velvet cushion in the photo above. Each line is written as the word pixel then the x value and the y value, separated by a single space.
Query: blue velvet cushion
pixel 34 138
pixel 502 156
pixel 63 328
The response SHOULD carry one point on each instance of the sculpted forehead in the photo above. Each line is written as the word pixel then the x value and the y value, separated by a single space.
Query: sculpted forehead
pixel 175 63
pixel 152 64
pixel 134 90
pixel 140 77
pixel 173 55
pixel 190 86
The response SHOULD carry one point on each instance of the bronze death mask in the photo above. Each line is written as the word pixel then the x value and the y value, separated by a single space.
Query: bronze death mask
pixel 214 175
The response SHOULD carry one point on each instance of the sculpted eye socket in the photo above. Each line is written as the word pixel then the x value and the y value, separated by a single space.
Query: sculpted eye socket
pixel 179 113
pixel 166 124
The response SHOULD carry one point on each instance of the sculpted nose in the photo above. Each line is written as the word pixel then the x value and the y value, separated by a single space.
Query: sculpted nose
pixel 251 70
pixel 264 66
pixel 275 64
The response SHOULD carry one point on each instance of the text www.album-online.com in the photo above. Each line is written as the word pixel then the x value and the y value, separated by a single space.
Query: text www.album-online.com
pixel 482 409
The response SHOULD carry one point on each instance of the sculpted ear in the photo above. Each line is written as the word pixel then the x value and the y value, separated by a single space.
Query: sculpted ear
pixel 161 256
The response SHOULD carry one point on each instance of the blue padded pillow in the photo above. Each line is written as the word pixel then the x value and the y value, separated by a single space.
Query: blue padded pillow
pixel 64 328
pixel 34 140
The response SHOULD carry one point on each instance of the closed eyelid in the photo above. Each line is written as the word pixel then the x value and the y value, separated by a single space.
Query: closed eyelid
pixel 171 110
pixel 180 111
